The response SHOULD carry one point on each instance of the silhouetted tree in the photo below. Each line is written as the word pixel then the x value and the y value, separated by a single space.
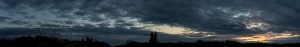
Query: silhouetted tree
pixel 44 41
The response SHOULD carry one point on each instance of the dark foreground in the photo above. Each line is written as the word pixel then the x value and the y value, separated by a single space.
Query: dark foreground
pixel 42 41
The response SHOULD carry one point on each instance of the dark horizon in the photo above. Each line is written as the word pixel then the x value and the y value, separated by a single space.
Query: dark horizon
pixel 44 41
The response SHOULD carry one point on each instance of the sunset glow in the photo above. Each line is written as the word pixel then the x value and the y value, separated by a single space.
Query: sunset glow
pixel 264 38
pixel 170 29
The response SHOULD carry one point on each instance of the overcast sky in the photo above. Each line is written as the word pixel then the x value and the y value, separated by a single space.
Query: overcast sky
pixel 116 21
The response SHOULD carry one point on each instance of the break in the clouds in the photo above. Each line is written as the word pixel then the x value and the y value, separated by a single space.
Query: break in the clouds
pixel 176 20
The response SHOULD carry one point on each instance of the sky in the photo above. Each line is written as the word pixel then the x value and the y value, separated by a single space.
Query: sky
pixel 116 21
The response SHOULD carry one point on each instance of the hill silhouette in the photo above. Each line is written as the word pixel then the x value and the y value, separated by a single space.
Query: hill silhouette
pixel 44 41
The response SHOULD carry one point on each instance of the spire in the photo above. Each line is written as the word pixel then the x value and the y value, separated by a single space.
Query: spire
pixel 153 38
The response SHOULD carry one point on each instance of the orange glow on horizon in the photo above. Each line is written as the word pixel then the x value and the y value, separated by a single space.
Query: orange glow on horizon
pixel 265 38
pixel 256 38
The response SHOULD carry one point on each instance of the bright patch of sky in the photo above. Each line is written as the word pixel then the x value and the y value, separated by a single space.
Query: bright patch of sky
pixel 267 37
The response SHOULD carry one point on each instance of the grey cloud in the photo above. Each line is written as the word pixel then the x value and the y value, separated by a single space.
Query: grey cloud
pixel 17 22
pixel 186 13
pixel 286 40
pixel 183 13
pixel 52 25
pixel 202 15
pixel 2 19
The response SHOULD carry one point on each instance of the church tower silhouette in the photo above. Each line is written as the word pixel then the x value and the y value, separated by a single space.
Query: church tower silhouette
pixel 153 38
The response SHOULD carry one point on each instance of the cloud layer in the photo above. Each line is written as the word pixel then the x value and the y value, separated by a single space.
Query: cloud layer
pixel 134 19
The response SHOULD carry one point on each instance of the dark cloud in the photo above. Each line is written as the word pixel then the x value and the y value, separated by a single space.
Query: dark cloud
pixel 17 22
pixel 2 19
pixel 51 25
pixel 187 13
pixel 202 15
pixel 183 13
